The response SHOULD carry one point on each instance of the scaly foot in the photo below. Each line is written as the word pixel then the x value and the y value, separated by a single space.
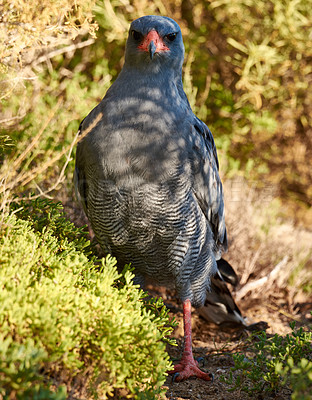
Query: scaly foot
pixel 187 368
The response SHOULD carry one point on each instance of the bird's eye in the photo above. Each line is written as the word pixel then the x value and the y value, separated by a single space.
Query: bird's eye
pixel 136 35
pixel 171 36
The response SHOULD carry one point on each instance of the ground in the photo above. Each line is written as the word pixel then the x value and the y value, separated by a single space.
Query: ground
pixel 215 344
pixel 259 241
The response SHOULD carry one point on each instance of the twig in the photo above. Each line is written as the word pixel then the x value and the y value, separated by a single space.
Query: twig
pixel 28 177
pixel 260 282
pixel 66 49
pixel 40 169
pixel 20 78
pixel 6 120
pixel 249 268
pixel 35 140
pixel 282 311
pixel 60 179
pixel 12 167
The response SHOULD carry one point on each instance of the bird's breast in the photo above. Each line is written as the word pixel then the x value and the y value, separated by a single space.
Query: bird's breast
pixel 142 142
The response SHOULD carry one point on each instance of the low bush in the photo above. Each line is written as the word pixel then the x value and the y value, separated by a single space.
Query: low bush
pixel 275 362
pixel 66 318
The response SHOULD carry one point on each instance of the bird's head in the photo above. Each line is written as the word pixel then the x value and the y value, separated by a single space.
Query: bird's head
pixel 153 42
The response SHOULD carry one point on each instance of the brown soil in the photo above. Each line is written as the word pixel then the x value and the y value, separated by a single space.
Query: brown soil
pixel 216 344
pixel 258 241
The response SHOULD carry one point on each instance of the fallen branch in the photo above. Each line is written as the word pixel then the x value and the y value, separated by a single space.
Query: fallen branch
pixel 260 282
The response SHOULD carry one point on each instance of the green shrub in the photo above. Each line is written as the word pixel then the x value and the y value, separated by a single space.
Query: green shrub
pixel 277 361
pixel 247 74
pixel 268 54
pixel 63 315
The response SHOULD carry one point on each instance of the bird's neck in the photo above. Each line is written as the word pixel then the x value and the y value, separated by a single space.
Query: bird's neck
pixel 149 75
pixel 142 82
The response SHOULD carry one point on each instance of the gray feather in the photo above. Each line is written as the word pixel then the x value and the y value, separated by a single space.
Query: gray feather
pixel 147 172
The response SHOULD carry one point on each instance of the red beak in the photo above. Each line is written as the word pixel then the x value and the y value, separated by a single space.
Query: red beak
pixel 153 43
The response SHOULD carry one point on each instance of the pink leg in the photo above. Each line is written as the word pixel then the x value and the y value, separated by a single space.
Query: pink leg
pixel 188 366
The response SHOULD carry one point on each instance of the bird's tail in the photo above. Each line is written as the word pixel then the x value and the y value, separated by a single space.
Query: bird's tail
pixel 220 306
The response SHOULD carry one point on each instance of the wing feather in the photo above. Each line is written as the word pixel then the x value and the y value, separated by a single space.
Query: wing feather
pixel 207 183
pixel 80 182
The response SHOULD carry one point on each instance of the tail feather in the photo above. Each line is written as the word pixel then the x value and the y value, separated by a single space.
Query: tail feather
pixel 220 306
pixel 227 272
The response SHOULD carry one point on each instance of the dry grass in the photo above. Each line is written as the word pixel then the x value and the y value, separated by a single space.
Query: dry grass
pixel 260 239
pixel 30 25
pixel 30 41
pixel 29 29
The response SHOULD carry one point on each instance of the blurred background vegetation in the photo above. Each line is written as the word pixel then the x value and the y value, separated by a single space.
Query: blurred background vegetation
pixel 248 74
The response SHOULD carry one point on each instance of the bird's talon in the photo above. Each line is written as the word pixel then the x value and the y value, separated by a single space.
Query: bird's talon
pixel 120 135
pixel 174 376
pixel 200 359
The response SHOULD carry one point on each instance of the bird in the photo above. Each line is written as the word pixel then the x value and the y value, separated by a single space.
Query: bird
pixel 219 306
pixel 147 175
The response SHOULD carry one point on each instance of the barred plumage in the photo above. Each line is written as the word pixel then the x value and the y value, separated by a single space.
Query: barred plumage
pixel 147 172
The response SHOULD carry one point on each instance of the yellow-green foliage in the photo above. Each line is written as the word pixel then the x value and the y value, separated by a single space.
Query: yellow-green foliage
pixel 274 362
pixel 30 24
pixel 272 85
pixel 247 74
pixel 59 311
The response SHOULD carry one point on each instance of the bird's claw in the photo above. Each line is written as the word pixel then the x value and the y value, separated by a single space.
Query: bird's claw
pixel 200 359
pixel 189 368
pixel 174 376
